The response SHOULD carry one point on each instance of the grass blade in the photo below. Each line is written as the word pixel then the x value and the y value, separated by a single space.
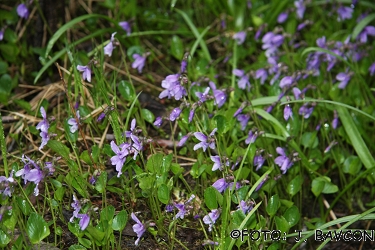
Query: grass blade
pixel 355 137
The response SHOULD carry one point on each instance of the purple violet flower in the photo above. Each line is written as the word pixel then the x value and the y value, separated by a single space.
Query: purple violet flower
pixel 343 78
pixel 251 137
pixel 211 218
pixel 86 72
pixel 367 31
pixel 84 221
pixel 203 96
pixel 43 127
pixel 333 143
pixel 243 119
pixel 240 37
pixel 371 69
pixel 125 26
pixel 271 42
pixel 76 206
pixel 244 79
pixel 261 183
pixel 6 185
pixel 300 8
pixel 34 175
pixel 283 161
pixel 119 159
pixel 282 17
pixel 205 141
pixel 22 11
pixel 344 13
pixel 258 161
pixel 175 114
pixel 181 211
pixel 173 88
pixel 158 121
pixel 306 110
pixel 221 185
pixel 335 121
pixel 138 228
pixel 217 163
pixel 139 62
pixel 191 114
pixel 108 49
pixel 132 129
pixel 286 81
pixel 219 95
pixel 1 34
pixel 262 75
pixel 288 112
pixel 183 140
pixel 297 93
pixel 245 206
pixel 73 123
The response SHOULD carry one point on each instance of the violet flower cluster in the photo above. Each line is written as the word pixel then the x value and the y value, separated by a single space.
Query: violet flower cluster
pixel 84 219
pixel 43 126
pixel 32 172
pixel 132 147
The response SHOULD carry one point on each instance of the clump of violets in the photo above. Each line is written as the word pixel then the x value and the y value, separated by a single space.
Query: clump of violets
pixel 210 218
pixel 22 11
pixel 132 147
pixel 86 72
pixel 43 126
pixel 32 172
pixel 84 219
pixel 173 84
pixel 108 49
pixel 6 185
pixel 173 87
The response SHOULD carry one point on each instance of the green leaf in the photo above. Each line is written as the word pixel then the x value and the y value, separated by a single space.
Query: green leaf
pixel 101 183
pixel 9 51
pixel 120 220
pixel 155 162
pixel 107 213
pixel 23 205
pixel 163 194
pixel 352 165
pixel 323 185
pixel 310 139
pixel 95 234
pixel 294 186
pixel 4 239
pixel 126 90
pixel 147 115
pixel 84 242
pixel 59 148
pixel 292 216
pixel 273 205
pixel 221 124
pixel 3 67
pixel 210 198
pixel 37 228
pixel 85 157
pixel 59 193
pixel 5 84
pixel 282 224
pixel 177 49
